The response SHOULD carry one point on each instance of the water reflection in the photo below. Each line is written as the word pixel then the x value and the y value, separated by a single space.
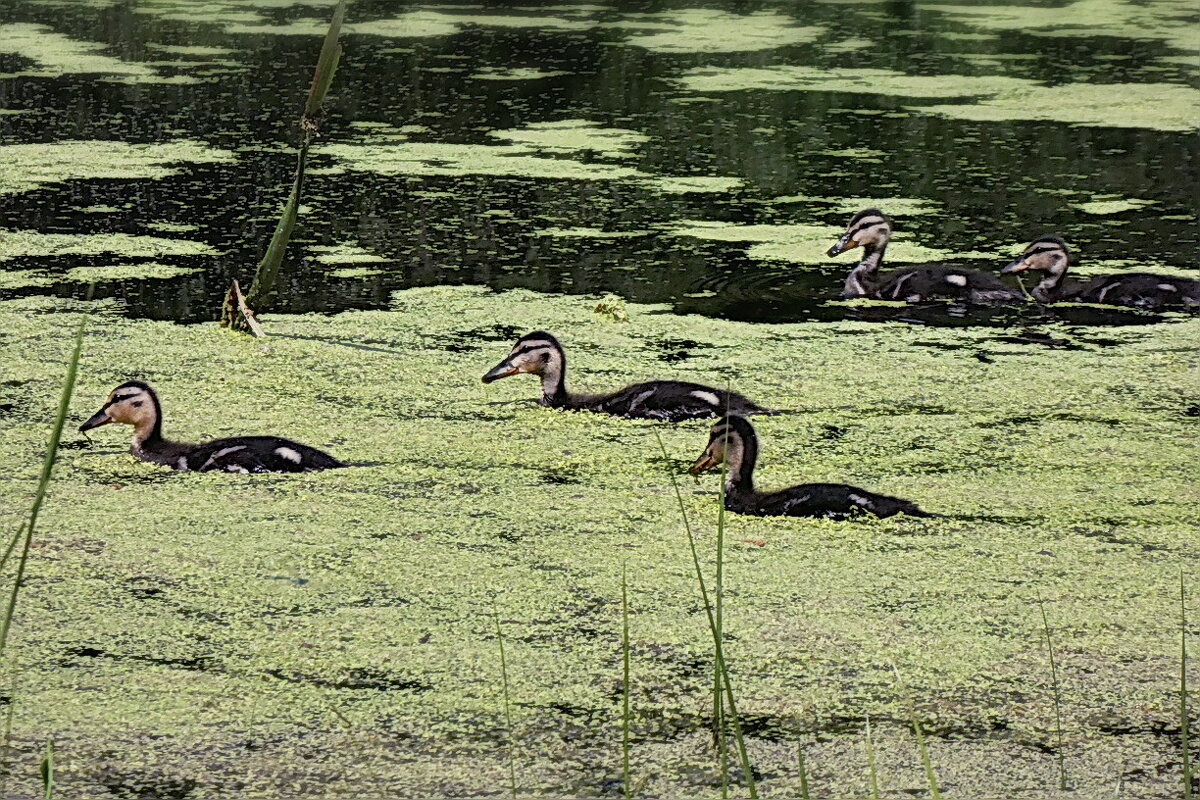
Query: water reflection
pixel 988 187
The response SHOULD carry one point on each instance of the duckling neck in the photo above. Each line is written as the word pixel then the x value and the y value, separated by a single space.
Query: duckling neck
pixel 864 278
pixel 148 441
pixel 554 381
pixel 1050 286
pixel 742 456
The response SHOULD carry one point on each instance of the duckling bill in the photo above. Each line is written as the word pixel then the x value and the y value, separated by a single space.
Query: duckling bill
pixel 540 354
pixel 734 441
pixel 135 403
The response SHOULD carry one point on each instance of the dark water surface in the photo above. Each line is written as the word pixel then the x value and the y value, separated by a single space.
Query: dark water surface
pixel 792 157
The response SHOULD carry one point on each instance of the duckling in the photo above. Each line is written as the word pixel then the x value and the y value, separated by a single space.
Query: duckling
pixel 733 440
pixel 871 230
pixel 540 353
pixel 135 403
pixel 1050 255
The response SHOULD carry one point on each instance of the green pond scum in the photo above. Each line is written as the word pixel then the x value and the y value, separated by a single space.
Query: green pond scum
pixel 212 630
pixel 657 185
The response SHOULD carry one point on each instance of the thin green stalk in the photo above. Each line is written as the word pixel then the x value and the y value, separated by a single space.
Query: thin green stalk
pixel 871 762
pixel 719 596
pixel 718 706
pixel 931 776
pixel 512 767
pixel 12 545
pixel 1183 692
pixel 803 772
pixel 626 774
pixel 64 403
pixel 1062 767
pixel 48 771
pixel 268 267
pixel 718 648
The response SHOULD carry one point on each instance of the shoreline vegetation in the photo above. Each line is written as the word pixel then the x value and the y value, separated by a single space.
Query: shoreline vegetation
pixel 215 629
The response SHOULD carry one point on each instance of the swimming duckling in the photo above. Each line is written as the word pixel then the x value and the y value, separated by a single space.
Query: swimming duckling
pixel 540 353
pixel 733 440
pixel 135 403
pixel 1050 254
pixel 871 230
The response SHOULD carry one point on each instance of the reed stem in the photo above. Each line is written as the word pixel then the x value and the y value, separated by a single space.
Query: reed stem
pixel 1062 767
pixel 239 312
pixel 871 762
pixel 930 776
pixel 1188 794
pixel 718 648
pixel 803 772
pixel 512 767
pixel 626 773
pixel 64 404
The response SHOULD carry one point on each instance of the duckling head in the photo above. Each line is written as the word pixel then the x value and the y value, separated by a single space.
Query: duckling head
pixel 131 403
pixel 725 441
pixel 536 352
pixel 1046 253
pixel 868 228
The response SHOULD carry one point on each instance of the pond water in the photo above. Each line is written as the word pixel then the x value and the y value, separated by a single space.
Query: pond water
pixel 701 155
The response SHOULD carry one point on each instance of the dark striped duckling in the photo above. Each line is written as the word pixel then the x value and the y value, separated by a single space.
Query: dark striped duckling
pixel 870 230
pixel 1050 255
pixel 733 441
pixel 135 403
pixel 540 353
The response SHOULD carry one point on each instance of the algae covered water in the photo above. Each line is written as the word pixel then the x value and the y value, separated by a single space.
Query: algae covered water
pixel 488 170
pixel 700 155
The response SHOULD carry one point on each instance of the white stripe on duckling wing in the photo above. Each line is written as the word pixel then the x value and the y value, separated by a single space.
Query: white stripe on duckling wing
pixel 215 458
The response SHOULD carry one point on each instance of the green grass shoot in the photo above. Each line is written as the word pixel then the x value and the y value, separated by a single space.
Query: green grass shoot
pixel 1062 766
pixel 626 774
pixel 64 404
pixel 871 771
pixel 512 766
pixel 718 645
pixel 803 772
pixel 1188 794
pixel 48 771
pixel 930 775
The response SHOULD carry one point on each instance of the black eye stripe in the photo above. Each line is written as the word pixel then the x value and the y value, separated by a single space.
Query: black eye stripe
pixel 862 226
pixel 1041 250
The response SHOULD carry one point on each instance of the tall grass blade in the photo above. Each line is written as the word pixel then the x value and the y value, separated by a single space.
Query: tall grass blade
pixel 718 646
pixel 803 772
pixel 48 771
pixel 626 774
pixel 1062 766
pixel 512 766
pixel 871 762
pixel 934 790
pixel 719 613
pixel 238 313
pixel 327 63
pixel 1188 794
pixel 64 403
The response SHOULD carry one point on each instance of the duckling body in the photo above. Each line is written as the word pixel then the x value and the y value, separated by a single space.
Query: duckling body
pixel 871 230
pixel 734 441
pixel 1051 256
pixel 540 353
pixel 135 403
